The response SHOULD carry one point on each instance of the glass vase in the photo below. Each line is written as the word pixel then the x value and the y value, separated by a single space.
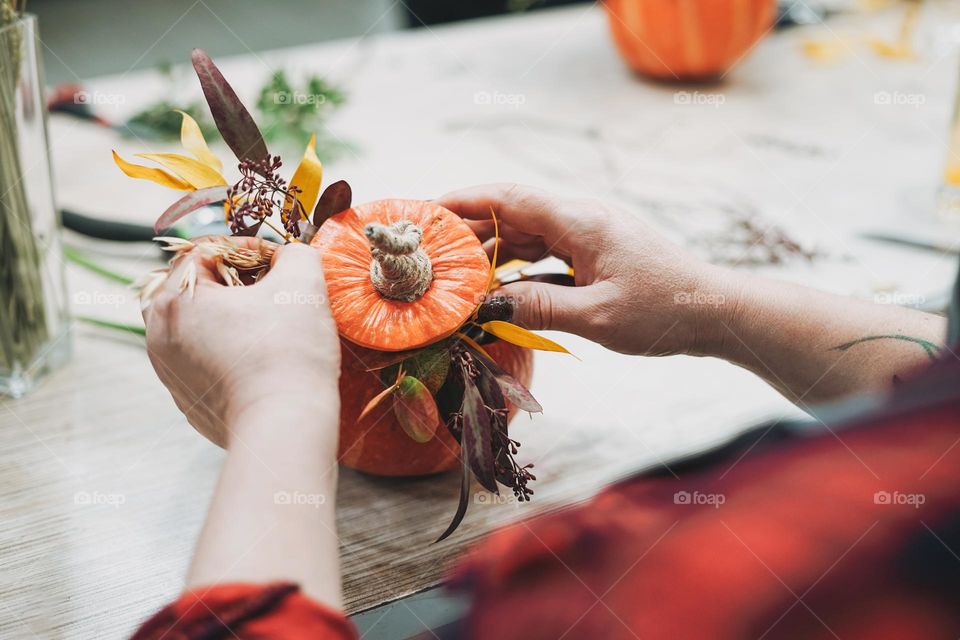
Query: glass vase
pixel 34 319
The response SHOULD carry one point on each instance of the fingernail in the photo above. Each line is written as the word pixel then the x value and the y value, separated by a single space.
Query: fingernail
pixel 496 308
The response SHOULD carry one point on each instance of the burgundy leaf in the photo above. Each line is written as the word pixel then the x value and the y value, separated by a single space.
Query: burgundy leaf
pixel 416 410
pixel 476 442
pixel 250 231
pixel 235 123
pixel 493 398
pixel 514 391
pixel 334 199
pixel 372 360
pixel 188 204
pixel 450 399
pixel 462 506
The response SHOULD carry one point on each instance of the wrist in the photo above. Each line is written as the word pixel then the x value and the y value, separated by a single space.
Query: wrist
pixel 716 319
pixel 307 410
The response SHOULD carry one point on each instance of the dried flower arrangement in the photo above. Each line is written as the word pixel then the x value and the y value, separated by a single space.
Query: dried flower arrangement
pixel 432 368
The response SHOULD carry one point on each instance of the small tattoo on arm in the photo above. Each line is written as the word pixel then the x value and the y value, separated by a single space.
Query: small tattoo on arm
pixel 932 349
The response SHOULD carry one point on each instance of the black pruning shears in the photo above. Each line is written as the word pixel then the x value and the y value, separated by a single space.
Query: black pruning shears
pixel 205 222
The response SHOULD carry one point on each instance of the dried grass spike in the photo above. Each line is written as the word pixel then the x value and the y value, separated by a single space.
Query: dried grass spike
pixel 174 244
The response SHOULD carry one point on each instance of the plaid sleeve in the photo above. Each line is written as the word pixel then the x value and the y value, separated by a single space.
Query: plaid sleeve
pixel 276 610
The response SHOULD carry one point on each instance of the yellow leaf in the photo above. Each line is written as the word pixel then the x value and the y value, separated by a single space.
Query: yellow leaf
pixel 520 336
pixel 197 174
pixel 377 400
pixel 892 50
pixel 159 176
pixel 511 267
pixel 307 176
pixel 496 250
pixel 952 176
pixel 192 140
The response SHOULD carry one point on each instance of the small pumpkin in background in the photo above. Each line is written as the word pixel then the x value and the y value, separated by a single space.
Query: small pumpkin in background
pixel 401 275
pixel 687 39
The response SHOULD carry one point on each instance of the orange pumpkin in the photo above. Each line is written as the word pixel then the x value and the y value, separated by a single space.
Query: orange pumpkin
pixel 687 39
pixel 401 274
pixel 408 285
pixel 377 444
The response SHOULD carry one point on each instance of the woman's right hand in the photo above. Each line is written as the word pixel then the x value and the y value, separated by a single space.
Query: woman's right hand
pixel 636 292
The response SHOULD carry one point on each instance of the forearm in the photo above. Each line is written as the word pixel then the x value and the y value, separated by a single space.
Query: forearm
pixel 272 514
pixel 814 346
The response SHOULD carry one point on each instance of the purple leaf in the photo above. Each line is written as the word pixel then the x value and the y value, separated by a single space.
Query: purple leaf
pixel 493 398
pixel 476 441
pixel 235 123
pixel 514 391
pixel 462 506
pixel 517 393
pixel 334 199
pixel 188 204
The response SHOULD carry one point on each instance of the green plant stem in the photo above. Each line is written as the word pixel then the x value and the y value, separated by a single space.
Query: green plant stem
pixel 83 260
pixel 23 326
pixel 109 324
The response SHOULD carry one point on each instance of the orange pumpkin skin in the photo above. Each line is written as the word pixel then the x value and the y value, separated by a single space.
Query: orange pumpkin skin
pixel 687 39
pixel 365 317
pixel 377 444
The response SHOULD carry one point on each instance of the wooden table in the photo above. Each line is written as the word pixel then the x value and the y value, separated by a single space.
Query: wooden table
pixel 540 99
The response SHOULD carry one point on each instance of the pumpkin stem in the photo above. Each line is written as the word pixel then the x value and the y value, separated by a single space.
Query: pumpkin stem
pixel 400 269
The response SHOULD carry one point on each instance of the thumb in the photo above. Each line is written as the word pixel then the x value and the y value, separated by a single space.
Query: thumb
pixel 299 263
pixel 295 260
pixel 548 306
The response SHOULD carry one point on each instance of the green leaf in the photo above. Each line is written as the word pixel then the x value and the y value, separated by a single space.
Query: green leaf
pixel 416 410
pixel 234 122
pixel 431 366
